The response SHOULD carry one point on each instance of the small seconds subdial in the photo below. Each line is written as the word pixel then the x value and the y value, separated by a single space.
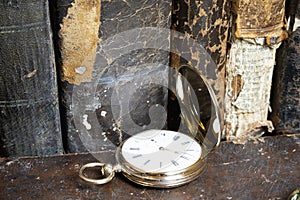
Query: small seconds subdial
pixel 161 151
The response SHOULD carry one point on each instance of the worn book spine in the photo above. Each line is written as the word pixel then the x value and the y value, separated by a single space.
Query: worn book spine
pixel 258 29
pixel 29 120
pixel 114 71
pixel 202 24
pixel 285 97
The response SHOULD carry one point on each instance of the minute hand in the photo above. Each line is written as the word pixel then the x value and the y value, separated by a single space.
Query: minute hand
pixel 174 151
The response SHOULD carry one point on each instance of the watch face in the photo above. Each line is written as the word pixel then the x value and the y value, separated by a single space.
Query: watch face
pixel 161 151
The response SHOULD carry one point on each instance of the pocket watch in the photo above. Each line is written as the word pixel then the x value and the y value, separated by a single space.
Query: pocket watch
pixel 155 158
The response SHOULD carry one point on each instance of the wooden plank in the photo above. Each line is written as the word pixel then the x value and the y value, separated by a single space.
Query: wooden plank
pixel 29 121
pixel 265 168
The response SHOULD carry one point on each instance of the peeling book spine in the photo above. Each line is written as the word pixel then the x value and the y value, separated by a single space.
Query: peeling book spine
pixel 258 30
pixel 107 92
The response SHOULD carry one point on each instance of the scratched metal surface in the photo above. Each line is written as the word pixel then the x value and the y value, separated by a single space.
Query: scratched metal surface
pixel 265 168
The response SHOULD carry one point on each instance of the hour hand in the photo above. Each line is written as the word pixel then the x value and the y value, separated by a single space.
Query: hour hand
pixel 166 149
pixel 173 151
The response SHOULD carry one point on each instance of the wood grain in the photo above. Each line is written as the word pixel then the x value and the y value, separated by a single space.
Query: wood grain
pixel 265 168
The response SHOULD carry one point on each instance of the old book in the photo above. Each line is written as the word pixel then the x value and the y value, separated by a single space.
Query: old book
pixel 257 32
pixel 260 19
pixel 201 46
pixel 114 69
pixel 285 97
pixel 249 77
pixel 29 122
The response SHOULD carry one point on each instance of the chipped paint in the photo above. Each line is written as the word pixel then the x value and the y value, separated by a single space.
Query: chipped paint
pixel 79 38
pixel 31 74
pixel 85 122
pixel 103 113
pixel 80 70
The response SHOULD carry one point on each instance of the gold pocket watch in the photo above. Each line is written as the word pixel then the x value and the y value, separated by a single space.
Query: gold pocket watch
pixel 162 158
pixel 155 158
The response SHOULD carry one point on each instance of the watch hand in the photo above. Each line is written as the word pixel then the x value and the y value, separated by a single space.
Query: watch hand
pixel 174 151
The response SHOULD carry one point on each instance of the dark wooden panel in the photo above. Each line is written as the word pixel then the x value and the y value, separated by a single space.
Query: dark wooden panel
pixel 29 122
pixel 265 168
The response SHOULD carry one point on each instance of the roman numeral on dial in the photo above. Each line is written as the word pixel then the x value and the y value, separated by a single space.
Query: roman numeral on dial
pixel 175 163
pixel 134 148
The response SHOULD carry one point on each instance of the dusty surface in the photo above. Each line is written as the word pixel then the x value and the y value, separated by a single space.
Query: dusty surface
pixel 266 168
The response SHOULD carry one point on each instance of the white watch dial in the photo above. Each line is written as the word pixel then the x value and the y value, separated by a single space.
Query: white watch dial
pixel 161 151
